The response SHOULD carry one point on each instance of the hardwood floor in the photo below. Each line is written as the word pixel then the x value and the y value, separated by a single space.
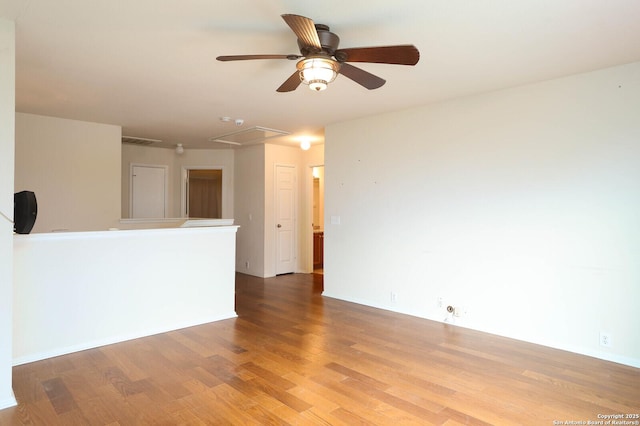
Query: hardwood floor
pixel 295 357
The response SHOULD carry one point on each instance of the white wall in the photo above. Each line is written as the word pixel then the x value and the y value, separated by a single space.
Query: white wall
pixel 74 169
pixel 520 205
pixel 95 288
pixel 250 209
pixel 7 131
pixel 192 158
pixel 7 115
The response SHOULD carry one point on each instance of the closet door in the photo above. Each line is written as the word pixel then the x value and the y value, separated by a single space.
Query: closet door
pixel 148 191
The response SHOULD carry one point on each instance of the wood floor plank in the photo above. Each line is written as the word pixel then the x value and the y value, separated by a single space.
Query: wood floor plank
pixel 268 376
pixel 293 356
pixel 96 410
pixel 119 356
pixel 356 402
pixel 589 394
pixel 349 418
pixel 365 379
pixel 186 417
pixel 59 396
pixel 200 374
pixel 231 406
pixel 321 404
pixel 83 384
pixel 193 341
pixel 394 401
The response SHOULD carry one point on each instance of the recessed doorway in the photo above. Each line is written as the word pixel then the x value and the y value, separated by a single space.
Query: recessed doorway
pixel 202 193
pixel 318 219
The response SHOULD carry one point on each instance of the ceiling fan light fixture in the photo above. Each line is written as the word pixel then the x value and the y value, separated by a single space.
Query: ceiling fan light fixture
pixel 318 72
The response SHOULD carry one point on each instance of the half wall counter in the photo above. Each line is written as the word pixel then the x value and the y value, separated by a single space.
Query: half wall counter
pixel 80 290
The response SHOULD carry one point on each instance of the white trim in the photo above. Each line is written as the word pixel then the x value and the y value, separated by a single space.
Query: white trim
pixel 120 233
pixel 620 359
pixel 117 339
pixel 8 402
pixel 166 185
pixel 127 220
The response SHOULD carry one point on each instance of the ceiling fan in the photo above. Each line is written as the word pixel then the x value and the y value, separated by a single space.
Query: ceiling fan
pixel 321 60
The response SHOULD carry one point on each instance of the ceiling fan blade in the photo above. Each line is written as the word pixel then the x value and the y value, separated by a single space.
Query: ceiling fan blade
pixel 247 57
pixel 362 77
pixel 305 30
pixel 290 84
pixel 406 54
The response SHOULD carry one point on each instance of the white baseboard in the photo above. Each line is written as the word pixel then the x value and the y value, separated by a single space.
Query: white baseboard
pixel 605 356
pixel 8 402
pixel 111 340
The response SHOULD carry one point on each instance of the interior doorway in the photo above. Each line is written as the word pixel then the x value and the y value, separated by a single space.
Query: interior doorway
pixel 202 193
pixel 317 224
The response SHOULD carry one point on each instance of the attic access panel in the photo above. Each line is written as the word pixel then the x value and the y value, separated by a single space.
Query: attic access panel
pixel 250 136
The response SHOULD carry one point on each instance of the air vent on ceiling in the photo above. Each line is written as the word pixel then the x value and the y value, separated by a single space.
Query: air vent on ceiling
pixel 249 136
pixel 133 140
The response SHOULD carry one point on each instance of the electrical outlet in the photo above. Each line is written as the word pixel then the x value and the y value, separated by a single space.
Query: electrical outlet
pixel 440 302
pixel 246 264
pixel 605 339
pixel 394 297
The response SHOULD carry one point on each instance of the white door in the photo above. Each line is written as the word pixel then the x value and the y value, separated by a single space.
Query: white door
pixel 285 219
pixel 148 191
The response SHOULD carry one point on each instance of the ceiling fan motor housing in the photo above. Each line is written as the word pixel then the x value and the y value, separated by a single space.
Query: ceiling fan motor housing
pixel 328 40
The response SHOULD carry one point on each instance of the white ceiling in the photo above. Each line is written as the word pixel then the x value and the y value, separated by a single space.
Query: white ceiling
pixel 149 65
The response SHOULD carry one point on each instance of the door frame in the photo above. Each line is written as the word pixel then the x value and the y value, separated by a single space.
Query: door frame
pixel 184 174
pixel 166 185
pixel 308 225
